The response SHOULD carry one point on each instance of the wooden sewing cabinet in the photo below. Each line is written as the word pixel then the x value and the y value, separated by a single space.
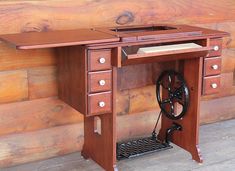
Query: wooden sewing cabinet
pixel 88 60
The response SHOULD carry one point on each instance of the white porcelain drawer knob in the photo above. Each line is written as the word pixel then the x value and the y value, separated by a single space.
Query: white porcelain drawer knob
pixel 101 104
pixel 216 48
pixel 102 82
pixel 214 67
pixel 102 60
pixel 214 85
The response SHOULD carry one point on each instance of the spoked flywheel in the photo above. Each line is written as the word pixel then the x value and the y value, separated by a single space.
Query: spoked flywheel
pixel 172 94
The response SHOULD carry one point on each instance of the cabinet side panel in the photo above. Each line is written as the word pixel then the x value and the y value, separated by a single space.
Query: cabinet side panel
pixel 72 67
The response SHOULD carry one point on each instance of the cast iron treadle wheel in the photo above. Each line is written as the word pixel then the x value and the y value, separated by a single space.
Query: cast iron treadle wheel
pixel 177 94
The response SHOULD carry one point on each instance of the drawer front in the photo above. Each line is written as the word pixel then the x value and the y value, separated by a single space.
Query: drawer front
pixel 99 81
pixel 99 103
pixel 99 59
pixel 211 85
pixel 217 47
pixel 212 66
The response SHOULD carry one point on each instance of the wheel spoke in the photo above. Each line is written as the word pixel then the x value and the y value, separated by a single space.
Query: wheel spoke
pixel 169 78
pixel 166 101
pixel 178 93
pixel 179 89
pixel 172 109
pixel 170 82
pixel 178 97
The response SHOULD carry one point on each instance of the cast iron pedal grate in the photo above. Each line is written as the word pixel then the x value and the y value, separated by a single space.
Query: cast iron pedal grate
pixel 138 147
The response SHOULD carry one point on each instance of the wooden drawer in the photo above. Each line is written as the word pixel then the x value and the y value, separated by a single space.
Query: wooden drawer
pixel 212 66
pixel 217 45
pixel 99 60
pixel 211 85
pixel 99 81
pixel 99 103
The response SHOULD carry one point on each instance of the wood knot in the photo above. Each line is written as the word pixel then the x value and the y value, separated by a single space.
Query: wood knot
pixel 125 18
pixel 42 26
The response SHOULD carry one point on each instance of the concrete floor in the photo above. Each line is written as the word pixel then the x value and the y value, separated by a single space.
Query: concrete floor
pixel 217 144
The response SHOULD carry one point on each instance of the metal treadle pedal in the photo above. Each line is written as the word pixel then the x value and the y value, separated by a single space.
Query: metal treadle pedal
pixel 137 147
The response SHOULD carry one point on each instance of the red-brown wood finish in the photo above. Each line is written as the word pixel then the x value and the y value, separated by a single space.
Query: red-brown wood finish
pixel 216 45
pixel 72 77
pixel 188 137
pixel 51 39
pixel 165 58
pixel 99 59
pixel 102 148
pixel 212 66
pixel 117 56
pixel 87 56
pixel 100 81
pixel 94 101
pixel 211 85
pixel 36 40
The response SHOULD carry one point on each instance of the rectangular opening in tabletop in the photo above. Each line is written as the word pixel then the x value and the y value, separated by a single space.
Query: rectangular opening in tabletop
pixel 142 29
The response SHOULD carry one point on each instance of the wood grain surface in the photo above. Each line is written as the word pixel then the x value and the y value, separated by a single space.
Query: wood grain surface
pixel 36 114
pixel 49 15
pixel 12 59
pixel 26 76
pixel 13 86
pixel 35 145
pixel 31 146
pixel 42 82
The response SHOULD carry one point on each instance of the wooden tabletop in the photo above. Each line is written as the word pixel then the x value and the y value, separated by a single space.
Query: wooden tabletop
pixel 36 40
pixel 161 32
pixel 50 39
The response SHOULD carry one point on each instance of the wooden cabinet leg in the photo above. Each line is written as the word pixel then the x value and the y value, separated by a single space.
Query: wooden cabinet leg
pixel 100 147
pixel 196 154
pixel 188 137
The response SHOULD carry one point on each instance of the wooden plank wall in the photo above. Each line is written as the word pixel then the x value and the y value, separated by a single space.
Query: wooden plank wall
pixel 35 125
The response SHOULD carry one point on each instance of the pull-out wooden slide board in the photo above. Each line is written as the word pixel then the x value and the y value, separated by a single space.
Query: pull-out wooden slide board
pixel 165 48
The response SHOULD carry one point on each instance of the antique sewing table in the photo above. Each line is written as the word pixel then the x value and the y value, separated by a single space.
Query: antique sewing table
pixel 88 60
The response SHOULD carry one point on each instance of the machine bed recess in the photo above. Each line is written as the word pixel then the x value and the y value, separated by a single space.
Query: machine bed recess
pixel 141 29
pixel 151 32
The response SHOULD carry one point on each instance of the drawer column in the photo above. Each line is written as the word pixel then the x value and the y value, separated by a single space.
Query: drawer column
pixel 212 68
pixel 100 120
